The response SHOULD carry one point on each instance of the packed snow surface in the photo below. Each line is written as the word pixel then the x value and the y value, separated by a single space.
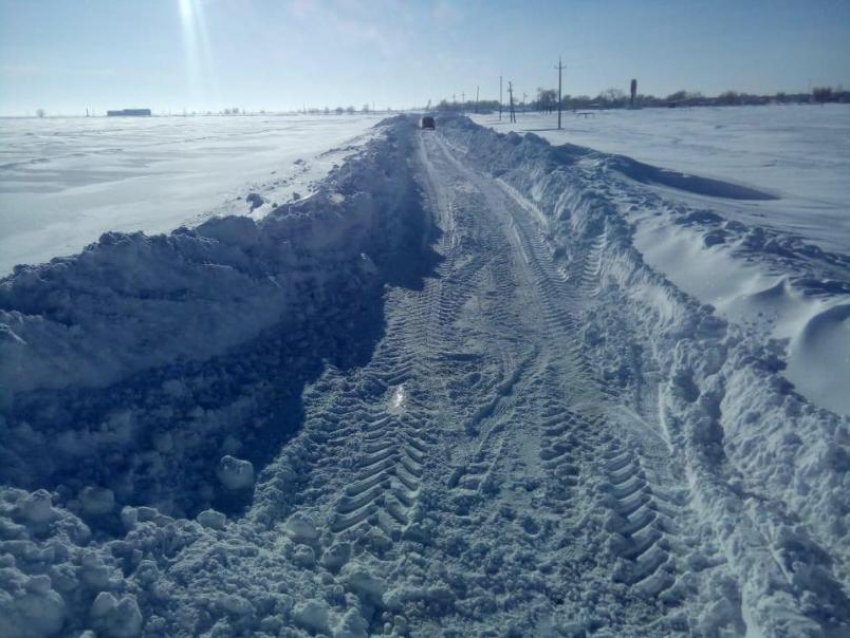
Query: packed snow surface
pixel 65 181
pixel 452 393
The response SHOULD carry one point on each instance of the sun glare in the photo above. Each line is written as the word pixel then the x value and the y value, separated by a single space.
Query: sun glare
pixel 185 9
pixel 196 50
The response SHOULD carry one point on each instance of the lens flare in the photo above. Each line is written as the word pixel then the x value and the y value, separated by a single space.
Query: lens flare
pixel 196 51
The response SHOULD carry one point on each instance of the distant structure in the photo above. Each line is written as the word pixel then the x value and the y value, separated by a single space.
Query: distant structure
pixel 560 69
pixel 633 92
pixel 130 113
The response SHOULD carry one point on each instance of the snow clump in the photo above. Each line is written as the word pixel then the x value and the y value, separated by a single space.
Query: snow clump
pixel 235 474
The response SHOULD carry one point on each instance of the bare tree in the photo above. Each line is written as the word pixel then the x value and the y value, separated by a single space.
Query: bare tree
pixel 822 94
pixel 546 99
pixel 40 113
pixel 612 98
pixel 729 98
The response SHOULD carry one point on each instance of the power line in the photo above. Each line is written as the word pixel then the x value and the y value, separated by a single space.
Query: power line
pixel 560 68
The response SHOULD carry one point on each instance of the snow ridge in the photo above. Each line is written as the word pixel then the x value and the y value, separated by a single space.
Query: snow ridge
pixel 763 464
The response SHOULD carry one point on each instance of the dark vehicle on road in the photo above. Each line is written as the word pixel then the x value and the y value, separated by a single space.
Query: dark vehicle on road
pixel 428 123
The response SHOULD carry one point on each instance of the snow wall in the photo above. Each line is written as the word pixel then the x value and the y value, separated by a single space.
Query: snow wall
pixel 152 377
pixel 723 401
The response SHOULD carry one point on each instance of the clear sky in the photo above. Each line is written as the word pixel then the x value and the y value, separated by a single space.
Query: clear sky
pixel 66 55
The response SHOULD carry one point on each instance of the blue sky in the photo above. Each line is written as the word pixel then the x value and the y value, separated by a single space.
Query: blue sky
pixel 66 55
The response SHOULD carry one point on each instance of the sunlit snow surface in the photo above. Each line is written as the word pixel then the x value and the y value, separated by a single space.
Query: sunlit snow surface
pixel 747 241
pixel 799 152
pixel 65 181
pixel 475 385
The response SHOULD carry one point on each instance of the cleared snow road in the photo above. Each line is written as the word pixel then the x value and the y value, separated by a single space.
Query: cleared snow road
pixel 536 436
pixel 481 476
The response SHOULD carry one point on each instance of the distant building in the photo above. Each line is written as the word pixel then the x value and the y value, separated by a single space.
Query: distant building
pixel 130 113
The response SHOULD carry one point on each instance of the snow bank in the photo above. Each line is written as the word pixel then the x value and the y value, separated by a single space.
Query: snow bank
pixel 768 468
pixel 758 253
pixel 150 379
pixel 163 355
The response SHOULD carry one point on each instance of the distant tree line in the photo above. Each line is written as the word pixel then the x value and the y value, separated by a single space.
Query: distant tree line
pixel 546 100
pixel 469 106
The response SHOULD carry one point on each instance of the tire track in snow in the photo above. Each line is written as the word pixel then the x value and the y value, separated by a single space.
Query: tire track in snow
pixel 642 532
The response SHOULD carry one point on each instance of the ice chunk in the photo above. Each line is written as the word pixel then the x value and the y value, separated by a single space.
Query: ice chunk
pixel 37 507
pixel 304 556
pixel 235 474
pixel 312 615
pixel 361 581
pixel 236 605
pixel 29 607
pixel 336 557
pixel 353 625
pixel 97 501
pixel 301 529
pixel 212 519
pixel 117 619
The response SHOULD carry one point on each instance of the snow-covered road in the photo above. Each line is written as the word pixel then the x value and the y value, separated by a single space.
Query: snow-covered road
pixel 475 411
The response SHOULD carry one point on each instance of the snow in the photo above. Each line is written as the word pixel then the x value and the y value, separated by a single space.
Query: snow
pixel 212 519
pixel 66 181
pixel 747 201
pixel 472 385
pixel 235 474
pixel 798 153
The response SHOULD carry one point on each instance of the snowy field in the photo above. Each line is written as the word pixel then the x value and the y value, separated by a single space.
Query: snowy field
pixel 65 181
pixel 800 153
pixel 475 385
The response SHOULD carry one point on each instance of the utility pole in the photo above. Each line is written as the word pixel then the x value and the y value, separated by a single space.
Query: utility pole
pixel 511 97
pixel 560 68
pixel 500 98
pixel 476 98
